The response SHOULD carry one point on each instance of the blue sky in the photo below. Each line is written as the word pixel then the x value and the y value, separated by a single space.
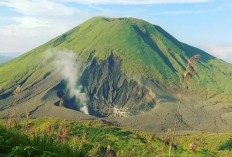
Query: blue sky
pixel 206 24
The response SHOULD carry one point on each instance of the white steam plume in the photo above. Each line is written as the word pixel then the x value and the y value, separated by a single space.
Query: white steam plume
pixel 68 68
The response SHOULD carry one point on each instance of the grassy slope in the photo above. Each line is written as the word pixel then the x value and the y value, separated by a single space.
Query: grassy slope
pixel 120 139
pixel 208 142
pixel 145 49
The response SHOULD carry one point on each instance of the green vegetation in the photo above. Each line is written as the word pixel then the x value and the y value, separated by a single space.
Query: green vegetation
pixel 226 146
pixel 210 142
pixel 14 142
pixel 144 48
pixel 91 138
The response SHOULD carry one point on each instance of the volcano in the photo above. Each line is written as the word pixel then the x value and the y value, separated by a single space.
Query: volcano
pixel 130 71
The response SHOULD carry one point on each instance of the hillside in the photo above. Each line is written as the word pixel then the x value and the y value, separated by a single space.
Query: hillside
pixel 97 138
pixel 129 67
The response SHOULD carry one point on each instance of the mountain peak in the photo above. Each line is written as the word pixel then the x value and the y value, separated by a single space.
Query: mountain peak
pixel 129 66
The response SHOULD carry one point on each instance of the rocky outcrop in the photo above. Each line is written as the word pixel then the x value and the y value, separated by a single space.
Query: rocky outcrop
pixel 111 92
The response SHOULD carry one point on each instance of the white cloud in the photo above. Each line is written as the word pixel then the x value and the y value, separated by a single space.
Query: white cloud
pixel 39 8
pixel 136 2
pixel 219 51
pixel 27 22
pixel 39 21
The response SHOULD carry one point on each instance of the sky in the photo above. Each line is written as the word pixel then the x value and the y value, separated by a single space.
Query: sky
pixel 205 24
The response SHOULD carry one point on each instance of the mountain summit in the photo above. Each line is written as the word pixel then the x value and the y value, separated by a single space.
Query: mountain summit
pixel 127 67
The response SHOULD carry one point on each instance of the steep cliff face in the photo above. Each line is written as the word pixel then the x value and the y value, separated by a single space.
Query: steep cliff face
pixel 112 92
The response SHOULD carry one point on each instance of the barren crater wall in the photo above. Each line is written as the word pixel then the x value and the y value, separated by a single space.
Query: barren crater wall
pixel 110 89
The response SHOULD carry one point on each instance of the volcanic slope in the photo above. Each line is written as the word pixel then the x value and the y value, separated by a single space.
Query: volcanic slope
pixel 129 68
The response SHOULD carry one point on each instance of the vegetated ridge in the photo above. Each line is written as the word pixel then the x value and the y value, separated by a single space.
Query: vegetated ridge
pixel 129 67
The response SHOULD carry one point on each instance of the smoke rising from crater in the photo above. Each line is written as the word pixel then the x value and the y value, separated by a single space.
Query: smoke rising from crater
pixel 67 66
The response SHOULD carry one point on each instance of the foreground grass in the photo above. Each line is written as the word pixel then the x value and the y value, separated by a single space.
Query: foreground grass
pixel 16 143
pixel 94 138
pixel 217 143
